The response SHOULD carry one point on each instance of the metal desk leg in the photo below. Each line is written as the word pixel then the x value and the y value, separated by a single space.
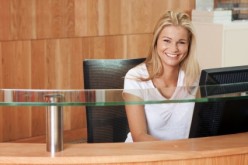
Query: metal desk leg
pixel 54 116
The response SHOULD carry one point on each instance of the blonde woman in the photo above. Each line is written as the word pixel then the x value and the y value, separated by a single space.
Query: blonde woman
pixel 171 63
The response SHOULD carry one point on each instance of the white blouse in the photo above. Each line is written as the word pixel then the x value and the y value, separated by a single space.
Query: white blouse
pixel 165 121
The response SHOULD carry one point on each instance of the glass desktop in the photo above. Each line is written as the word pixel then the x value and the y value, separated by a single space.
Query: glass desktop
pixel 55 100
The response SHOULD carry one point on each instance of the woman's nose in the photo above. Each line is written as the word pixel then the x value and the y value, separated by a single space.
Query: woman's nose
pixel 174 47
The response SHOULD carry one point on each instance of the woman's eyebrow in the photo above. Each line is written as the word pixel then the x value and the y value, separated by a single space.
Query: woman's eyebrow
pixel 183 39
pixel 166 37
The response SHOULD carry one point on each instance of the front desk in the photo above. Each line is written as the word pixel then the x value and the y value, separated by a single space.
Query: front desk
pixel 225 149
pixel 221 150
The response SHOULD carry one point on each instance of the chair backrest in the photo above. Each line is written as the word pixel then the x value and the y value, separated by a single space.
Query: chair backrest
pixel 106 123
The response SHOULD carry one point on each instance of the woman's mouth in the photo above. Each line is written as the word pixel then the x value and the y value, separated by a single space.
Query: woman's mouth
pixel 172 55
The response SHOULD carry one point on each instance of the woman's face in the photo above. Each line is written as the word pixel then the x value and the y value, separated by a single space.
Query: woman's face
pixel 173 45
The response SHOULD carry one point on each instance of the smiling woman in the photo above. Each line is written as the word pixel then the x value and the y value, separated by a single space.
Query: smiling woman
pixel 171 62
pixel 172 45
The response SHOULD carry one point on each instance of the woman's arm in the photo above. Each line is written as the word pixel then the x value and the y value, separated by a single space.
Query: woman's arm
pixel 137 120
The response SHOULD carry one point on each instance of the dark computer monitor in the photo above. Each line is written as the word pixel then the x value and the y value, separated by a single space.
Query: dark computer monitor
pixel 221 117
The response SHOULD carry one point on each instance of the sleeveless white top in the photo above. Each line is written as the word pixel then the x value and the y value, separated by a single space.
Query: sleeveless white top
pixel 165 121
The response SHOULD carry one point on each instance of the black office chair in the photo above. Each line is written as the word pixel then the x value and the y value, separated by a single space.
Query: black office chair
pixel 106 123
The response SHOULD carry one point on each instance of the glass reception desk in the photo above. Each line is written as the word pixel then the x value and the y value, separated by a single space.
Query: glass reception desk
pixel 55 100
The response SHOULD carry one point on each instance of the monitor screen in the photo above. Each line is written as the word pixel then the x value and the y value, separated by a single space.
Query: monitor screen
pixel 221 117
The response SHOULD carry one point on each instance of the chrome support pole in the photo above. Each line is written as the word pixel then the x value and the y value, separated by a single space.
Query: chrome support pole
pixel 54 117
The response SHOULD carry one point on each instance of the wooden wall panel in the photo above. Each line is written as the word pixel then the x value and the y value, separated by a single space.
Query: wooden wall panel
pixel 57 63
pixel 104 47
pixel 138 45
pixel 16 123
pixel 71 56
pixel 16 70
pixel 43 43
pixel 1 96
pixel 1 70
pixel 1 124
pixel 38 121
pixel 39 19
pixel 16 64
pixel 122 16
pixel 54 18
pixel 86 17
pixel 39 65
pixel 123 46
pixel 5 21
pixel 17 19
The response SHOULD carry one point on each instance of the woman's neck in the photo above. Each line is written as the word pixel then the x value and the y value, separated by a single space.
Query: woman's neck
pixel 168 79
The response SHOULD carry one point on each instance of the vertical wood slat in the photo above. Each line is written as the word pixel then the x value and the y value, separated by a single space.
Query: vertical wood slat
pixel 43 43
pixel 5 20
pixel 17 19
pixel 1 96
pixel 39 81
pixel 16 64
pixel 22 19
pixel 55 18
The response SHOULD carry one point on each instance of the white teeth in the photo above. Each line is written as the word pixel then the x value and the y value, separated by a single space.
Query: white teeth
pixel 172 55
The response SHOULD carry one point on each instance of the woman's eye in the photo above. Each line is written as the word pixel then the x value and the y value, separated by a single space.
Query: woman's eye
pixel 182 42
pixel 167 41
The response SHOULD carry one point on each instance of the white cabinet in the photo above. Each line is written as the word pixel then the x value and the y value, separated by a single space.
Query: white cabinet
pixel 222 44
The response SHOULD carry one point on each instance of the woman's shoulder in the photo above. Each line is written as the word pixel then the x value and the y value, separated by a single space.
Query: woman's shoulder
pixel 138 71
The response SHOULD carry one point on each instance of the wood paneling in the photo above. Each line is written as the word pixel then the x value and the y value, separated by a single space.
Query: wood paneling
pixel 39 19
pixel 16 73
pixel 1 97
pixel 55 18
pixel 43 43
pixel 16 64
pixel 138 45
pixel 17 19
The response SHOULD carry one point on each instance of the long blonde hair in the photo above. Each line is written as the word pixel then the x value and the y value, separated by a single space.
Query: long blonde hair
pixel 190 64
